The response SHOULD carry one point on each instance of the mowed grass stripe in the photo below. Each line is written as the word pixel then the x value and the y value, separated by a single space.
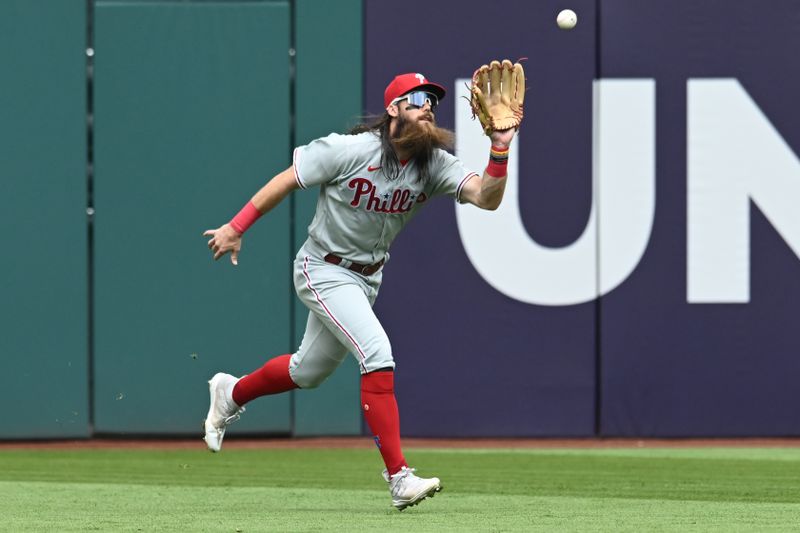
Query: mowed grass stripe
pixel 56 506
pixel 709 453
pixel 593 474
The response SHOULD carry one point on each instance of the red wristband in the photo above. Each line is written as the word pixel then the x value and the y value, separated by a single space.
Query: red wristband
pixel 245 218
pixel 497 170
pixel 498 162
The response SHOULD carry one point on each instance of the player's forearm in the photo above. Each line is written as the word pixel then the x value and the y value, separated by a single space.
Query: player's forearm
pixel 493 181
pixel 274 191
pixel 491 192
pixel 269 196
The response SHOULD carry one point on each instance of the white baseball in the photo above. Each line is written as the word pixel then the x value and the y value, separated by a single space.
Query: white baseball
pixel 567 19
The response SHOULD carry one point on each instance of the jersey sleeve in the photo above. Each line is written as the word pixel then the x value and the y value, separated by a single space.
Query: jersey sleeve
pixel 320 161
pixel 449 175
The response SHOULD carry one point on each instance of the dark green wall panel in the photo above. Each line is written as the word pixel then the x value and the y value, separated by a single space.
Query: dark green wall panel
pixel 191 117
pixel 43 309
pixel 329 63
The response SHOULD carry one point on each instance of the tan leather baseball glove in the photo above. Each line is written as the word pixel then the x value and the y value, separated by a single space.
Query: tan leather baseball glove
pixel 498 92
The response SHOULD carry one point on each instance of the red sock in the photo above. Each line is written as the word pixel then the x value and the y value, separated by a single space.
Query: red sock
pixel 271 378
pixel 383 418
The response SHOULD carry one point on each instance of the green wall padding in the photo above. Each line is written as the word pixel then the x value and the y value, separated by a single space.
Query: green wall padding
pixel 43 276
pixel 191 118
pixel 329 85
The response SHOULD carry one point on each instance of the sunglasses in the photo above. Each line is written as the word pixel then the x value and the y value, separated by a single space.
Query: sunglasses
pixel 418 99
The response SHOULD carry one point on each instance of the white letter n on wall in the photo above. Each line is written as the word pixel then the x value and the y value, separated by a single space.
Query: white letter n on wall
pixel 734 155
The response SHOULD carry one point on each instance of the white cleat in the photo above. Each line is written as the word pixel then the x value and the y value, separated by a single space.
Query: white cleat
pixel 408 490
pixel 223 410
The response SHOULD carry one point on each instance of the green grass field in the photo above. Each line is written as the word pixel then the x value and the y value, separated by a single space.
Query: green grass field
pixel 711 489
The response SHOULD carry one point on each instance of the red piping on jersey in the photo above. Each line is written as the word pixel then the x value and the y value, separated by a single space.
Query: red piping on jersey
pixel 296 172
pixel 461 185
pixel 328 312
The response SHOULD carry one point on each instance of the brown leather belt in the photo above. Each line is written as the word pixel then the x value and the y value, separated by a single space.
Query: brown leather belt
pixel 364 270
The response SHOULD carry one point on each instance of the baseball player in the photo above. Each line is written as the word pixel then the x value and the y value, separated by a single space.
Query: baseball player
pixel 371 183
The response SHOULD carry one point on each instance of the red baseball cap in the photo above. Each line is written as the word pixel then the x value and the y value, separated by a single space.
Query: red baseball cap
pixel 405 83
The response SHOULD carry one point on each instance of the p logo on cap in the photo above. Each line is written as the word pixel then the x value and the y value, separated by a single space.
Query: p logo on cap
pixel 405 83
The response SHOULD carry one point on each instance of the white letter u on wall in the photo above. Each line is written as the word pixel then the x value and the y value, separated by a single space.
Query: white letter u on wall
pixel 621 218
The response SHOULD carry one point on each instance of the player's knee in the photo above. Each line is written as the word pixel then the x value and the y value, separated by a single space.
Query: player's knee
pixel 309 376
pixel 380 356
pixel 308 380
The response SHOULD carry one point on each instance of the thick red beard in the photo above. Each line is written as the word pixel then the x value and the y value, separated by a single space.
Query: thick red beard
pixel 416 139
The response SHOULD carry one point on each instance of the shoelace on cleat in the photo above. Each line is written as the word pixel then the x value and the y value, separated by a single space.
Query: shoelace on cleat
pixel 405 472
pixel 404 477
pixel 233 418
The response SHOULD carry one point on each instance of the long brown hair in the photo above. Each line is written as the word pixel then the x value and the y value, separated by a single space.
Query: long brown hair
pixel 380 127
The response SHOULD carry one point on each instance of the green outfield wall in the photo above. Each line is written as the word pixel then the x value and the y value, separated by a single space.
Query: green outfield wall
pixel 114 321
pixel 43 274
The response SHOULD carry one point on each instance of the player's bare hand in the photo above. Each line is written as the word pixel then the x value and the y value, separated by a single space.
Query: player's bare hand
pixel 224 239
pixel 503 137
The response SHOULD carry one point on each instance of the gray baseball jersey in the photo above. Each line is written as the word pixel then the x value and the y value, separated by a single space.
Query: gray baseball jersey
pixel 360 211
